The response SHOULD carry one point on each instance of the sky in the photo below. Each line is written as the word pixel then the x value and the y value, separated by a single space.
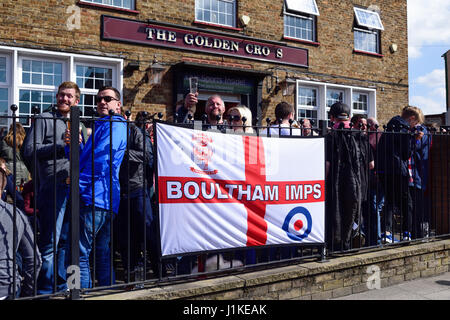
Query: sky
pixel 428 40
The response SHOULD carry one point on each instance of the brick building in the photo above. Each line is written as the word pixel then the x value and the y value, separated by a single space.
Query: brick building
pixel 309 53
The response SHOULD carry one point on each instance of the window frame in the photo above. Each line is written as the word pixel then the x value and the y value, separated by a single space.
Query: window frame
pixel 377 41
pixel 6 85
pixel 302 10
pixel 110 6
pixel 359 27
pixel 16 55
pixel 39 58
pixel 368 26
pixel 300 15
pixel 359 111
pixel 89 91
pixel 322 89
pixel 234 15
pixel 299 106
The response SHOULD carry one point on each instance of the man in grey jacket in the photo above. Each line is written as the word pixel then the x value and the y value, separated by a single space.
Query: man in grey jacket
pixel 23 246
pixel 53 232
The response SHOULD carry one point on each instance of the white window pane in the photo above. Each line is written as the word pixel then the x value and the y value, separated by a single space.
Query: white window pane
pixel 215 5
pixel 366 41
pixel 48 67
pixel 36 78
pixel 305 6
pixel 48 80
pixel 199 14
pixel 215 11
pixel 36 66
pixel 2 69
pixel 26 77
pixel 26 65
pixel 299 27
pixel 125 4
pixel 369 19
pixel 87 105
pixel 222 19
pixel 4 105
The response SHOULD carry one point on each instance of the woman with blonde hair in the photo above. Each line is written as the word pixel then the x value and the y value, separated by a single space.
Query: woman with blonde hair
pixel 237 114
pixel 7 152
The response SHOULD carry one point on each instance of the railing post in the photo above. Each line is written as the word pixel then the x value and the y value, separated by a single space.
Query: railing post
pixel 323 127
pixel 74 202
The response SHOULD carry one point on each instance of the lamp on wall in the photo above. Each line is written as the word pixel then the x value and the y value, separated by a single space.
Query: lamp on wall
pixel 270 85
pixel 393 48
pixel 155 72
pixel 244 20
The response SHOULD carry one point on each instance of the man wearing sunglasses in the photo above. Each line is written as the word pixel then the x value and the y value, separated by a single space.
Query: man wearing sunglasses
pixel 108 152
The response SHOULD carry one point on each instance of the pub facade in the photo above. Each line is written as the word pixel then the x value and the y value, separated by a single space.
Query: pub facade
pixel 309 53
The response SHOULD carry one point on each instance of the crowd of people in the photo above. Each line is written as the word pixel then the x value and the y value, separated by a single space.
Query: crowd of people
pixel 370 175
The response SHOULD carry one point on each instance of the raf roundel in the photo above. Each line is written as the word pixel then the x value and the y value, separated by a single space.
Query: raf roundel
pixel 298 224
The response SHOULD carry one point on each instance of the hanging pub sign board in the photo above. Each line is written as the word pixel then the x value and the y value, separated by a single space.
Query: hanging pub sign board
pixel 219 191
pixel 184 38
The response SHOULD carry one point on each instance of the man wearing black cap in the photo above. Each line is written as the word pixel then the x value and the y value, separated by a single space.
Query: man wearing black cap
pixel 347 157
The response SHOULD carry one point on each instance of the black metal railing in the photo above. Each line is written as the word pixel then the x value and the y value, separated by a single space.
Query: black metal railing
pixel 134 260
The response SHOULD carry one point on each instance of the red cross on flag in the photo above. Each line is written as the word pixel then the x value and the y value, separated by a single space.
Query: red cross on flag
pixel 221 191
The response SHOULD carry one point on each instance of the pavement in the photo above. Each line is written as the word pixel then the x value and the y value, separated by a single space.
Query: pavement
pixel 432 288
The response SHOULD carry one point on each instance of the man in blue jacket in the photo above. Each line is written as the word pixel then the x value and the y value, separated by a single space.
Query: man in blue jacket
pixel 100 187
pixel 395 149
pixel 418 183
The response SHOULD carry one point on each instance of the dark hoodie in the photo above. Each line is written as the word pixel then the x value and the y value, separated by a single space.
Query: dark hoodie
pixel 395 148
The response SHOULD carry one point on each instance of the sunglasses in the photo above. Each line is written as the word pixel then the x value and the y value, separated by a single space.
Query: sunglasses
pixel 106 98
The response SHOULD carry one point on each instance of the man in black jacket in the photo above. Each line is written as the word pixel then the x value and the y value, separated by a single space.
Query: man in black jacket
pixel 136 179
pixel 394 151
pixel 347 158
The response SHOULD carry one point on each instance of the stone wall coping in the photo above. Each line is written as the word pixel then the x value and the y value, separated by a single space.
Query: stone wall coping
pixel 247 280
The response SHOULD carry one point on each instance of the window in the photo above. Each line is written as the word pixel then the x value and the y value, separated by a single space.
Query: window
pixel 314 99
pixel 366 41
pixel 307 103
pixel 360 102
pixel 333 96
pixel 2 69
pixel 368 19
pixel 87 105
pixel 123 4
pixel 220 12
pixel 30 98
pixel 39 73
pixel 38 82
pixel 4 106
pixel 367 31
pixel 300 19
pixel 299 27
pixel 4 101
pixel 90 78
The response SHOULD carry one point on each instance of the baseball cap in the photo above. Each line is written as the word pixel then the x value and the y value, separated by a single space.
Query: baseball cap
pixel 340 111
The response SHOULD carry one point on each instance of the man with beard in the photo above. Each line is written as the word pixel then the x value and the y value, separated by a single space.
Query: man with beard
pixel 67 97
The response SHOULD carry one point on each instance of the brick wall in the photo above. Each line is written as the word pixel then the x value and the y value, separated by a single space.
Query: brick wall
pixel 42 24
